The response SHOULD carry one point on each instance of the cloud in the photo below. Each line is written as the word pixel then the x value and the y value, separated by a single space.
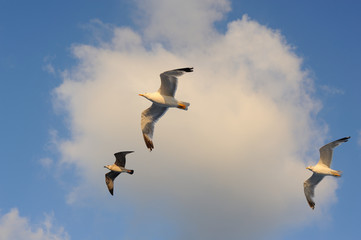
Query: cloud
pixel 46 162
pixel 48 67
pixel 332 90
pixel 230 167
pixel 180 24
pixel 12 226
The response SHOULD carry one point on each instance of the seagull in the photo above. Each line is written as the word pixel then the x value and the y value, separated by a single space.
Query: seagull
pixel 117 168
pixel 162 100
pixel 321 169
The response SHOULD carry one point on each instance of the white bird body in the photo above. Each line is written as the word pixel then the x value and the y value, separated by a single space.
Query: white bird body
pixel 162 100
pixel 321 169
pixel 116 168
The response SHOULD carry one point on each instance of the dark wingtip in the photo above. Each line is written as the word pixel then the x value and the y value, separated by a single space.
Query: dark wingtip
pixel 312 204
pixel 189 69
pixel 124 152
pixel 130 172
pixel 150 145
pixel 345 139
pixel 148 142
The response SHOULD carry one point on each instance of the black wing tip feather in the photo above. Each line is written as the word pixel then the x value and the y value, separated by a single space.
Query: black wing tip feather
pixel 345 139
pixel 148 142
pixel 124 152
pixel 188 69
pixel 312 204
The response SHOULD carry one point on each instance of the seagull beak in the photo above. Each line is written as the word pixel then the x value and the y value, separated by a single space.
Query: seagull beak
pixel 141 94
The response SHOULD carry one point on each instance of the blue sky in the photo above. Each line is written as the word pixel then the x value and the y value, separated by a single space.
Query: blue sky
pixel 69 71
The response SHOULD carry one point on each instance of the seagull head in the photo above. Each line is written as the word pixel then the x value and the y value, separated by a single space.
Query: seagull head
pixel 146 95
pixel 309 168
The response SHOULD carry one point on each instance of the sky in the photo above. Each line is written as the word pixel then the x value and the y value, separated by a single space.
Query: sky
pixel 272 83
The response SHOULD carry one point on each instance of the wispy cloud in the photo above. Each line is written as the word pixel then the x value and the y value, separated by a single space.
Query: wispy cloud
pixel 46 162
pixel 230 167
pixel 332 90
pixel 13 226
pixel 48 66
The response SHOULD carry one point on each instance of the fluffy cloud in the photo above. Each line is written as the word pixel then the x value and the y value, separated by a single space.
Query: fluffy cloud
pixel 181 24
pixel 12 226
pixel 232 166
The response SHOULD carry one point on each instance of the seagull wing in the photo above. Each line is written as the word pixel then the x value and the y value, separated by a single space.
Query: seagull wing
pixel 149 117
pixel 169 81
pixel 309 188
pixel 120 158
pixel 109 180
pixel 327 150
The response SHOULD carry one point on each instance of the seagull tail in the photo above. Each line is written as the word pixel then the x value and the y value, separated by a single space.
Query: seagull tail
pixel 336 173
pixel 130 172
pixel 183 105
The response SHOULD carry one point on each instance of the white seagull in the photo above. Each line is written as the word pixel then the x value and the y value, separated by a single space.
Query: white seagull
pixel 162 100
pixel 115 169
pixel 321 169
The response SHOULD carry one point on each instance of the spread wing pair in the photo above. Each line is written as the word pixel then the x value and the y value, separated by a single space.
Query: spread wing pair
pixel 321 169
pixel 115 169
pixel 162 100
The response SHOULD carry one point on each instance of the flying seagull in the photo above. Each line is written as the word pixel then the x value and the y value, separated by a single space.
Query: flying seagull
pixel 321 169
pixel 117 168
pixel 162 100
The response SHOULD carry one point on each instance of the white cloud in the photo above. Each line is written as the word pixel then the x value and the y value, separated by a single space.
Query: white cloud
pixel 181 23
pixel 13 226
pixel 230 167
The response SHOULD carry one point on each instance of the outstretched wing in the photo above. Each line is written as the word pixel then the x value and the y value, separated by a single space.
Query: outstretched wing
pixel 149 117
pixel 120 158
pixel 109 180
pixel 309 188
pixel 327 151
pixel 169 81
